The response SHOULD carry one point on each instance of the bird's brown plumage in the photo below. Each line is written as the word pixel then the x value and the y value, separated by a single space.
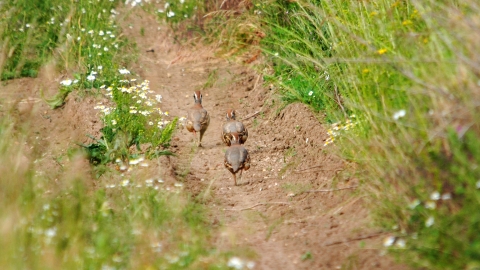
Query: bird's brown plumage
pixel 198 118
pixel 231 126
pixel 236 157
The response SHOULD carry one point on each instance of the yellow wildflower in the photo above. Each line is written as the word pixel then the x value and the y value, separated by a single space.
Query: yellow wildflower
pixel 414 14
pixel 382 51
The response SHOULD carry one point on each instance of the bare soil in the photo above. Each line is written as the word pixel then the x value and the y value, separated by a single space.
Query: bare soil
pixel 296 207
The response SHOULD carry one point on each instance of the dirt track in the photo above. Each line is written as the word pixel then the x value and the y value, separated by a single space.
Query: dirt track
pixel 276 211
pixel 267 212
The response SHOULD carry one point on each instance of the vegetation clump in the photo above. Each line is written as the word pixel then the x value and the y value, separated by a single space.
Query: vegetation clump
pixel 132 117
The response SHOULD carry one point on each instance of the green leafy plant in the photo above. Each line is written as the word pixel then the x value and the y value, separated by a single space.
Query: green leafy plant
pixel 59 99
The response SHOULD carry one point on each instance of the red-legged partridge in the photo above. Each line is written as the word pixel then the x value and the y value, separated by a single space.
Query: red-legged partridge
pixel 231 126
pixel 236 157
pixel 198 118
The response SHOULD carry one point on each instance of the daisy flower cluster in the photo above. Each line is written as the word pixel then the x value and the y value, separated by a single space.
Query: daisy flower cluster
pixel 102 41
pixel 139 99
pixel 338 128
pixel 98 47
pixel 425 209
pixel 132 108
pixel 152 183
pixel 44 226
pixel 429 206
pixel 95 43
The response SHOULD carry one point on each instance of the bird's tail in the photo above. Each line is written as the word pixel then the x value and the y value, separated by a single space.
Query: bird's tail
pixel 197 126
pixel 235 166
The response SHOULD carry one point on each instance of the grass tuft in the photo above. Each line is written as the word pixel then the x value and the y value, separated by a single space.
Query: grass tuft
pixel 131 117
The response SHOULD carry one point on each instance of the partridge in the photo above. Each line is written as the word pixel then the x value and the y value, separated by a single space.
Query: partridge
pixel 236 157
pixel 232 125
pixel 198 118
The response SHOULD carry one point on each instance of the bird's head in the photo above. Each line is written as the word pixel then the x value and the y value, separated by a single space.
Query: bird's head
pixel 230 114
pixel 197 96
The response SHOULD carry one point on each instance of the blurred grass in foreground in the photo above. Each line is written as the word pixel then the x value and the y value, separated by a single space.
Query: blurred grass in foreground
pixel 67 223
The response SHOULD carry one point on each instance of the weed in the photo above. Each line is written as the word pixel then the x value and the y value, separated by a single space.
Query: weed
pixel 306 256
pixel 272 226
pixel 288 162
pixel 338 129
pixel 59 99
pixel 286 167
pixel 211 80
pixel 290 152
pixel 296 188
pixel 351 262
pixel 255 123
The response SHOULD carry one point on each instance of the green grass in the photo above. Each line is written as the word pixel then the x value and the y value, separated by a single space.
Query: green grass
pixel 406 72
pixel 81 37
pixel 293 40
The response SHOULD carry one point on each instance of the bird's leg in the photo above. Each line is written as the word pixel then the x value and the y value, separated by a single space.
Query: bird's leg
pixel 240 176
pixel 194 136
pixel 235 178
pixel 200 139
